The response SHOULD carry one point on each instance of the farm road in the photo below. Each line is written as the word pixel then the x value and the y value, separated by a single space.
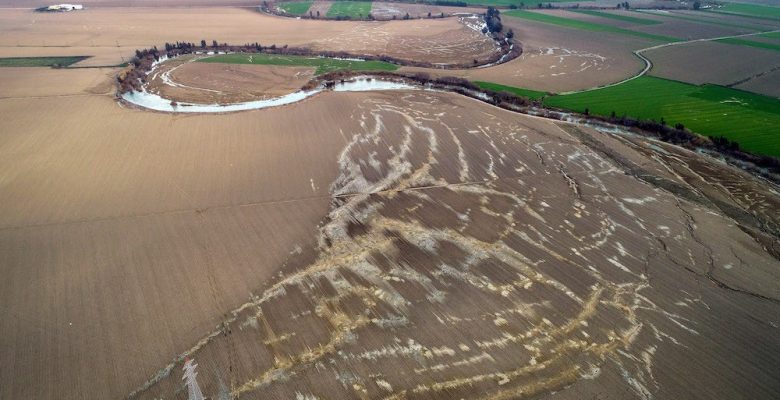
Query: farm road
pixel 649 64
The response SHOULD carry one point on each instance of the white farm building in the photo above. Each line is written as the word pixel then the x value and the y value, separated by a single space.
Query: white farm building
pixel 65 7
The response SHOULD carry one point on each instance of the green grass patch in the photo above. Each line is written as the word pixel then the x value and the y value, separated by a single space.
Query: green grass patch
pixel 40 61
pixel 295 7
pixel 322 65
pixel 351 9
pixel 751 43
pixel 531 94
pixel 750 10
pixel 750 119
pixel 619 17
pixel 588 26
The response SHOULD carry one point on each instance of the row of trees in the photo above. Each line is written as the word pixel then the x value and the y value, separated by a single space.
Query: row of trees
pixel 493 20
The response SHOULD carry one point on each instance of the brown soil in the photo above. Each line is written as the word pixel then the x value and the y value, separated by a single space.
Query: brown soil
pixel 387 10
pixel 208 83
pixel 559 59
pixel 768 83
pixel 706 62
pixel 24 82
pixel 441 40
pixel 423 241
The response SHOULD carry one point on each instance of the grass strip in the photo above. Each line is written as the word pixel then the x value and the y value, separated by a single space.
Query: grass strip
pixel 496 87
pixel 588 26
pixel 321 64
pixel 295 7
pixel 40 61
pixel 351 9
pixel 751 43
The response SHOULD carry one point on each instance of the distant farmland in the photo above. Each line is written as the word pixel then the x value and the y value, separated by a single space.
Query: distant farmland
pixel 295 7
pixel 750 10
pixel 40 61
pixel 590 26
pixel 751 120
pixel 702 18
pixel 751 43
pixel 620 17
pixel 323 65
pixel 351 9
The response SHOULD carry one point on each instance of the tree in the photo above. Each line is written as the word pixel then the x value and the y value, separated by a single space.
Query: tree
pixel 493 20
pixel 429 14
pixel 406 16
pixel 203 44
pixel 696 5
pixel 318 13
pixel 311 14
pixel 510 34
pixel 587 111
pixel 214 44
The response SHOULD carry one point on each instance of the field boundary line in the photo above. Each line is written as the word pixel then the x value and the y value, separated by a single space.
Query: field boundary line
pixel 649 63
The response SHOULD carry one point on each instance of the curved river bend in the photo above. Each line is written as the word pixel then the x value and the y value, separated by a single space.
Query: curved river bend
pixel 158 103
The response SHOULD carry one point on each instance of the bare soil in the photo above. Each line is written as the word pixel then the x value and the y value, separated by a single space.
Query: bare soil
pixel 382 10
pixel 22 82
pixel 557 59
pixel 441 40
pixel 209 83
pixel 766 83
pixel 712 62
pixel 429 244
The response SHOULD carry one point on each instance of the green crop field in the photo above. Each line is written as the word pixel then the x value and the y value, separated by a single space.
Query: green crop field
pixel 589 26
pixel 620 17
pixel 750 10
pixel 750 119
pixel 322 65
pixel 531 94
pixel 295 7
pixel 40 61
pixel 351 9
pixel 751 43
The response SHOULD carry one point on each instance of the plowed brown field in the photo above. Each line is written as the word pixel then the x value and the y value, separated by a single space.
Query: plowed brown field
pixel 440 40
pixel 184 80
pixel 355 245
